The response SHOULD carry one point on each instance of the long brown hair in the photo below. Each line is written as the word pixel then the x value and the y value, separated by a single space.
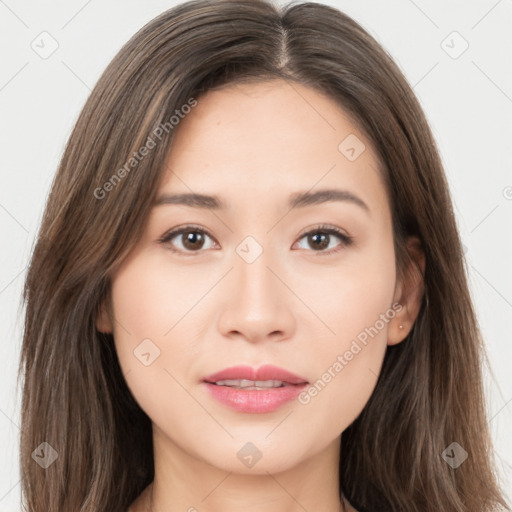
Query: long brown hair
pixel 75 399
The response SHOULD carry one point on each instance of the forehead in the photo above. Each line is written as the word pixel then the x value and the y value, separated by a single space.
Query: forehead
pixel 270 136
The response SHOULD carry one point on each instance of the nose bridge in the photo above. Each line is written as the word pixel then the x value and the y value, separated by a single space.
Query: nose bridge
pixel 258 305
pixel 256 281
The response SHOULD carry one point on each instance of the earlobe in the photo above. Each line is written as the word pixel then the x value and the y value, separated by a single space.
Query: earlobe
pixel 400 326
pixel 409 293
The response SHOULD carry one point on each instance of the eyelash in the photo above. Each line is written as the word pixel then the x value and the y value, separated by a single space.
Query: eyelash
pixel 324 229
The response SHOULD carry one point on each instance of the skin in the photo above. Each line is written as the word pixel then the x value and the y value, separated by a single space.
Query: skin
pixel 294 307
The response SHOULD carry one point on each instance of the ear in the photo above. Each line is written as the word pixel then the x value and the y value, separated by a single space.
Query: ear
pixel 103 321
pixel 409 291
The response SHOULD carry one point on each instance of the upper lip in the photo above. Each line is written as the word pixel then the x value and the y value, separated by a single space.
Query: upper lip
pixel 265 372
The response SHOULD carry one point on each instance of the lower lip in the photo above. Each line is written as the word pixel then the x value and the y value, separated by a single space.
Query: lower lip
pixel 255 400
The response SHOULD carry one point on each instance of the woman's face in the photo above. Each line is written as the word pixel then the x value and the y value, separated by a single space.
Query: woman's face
pixel 264 284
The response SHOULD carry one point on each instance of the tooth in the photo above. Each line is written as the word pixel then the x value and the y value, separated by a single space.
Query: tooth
pixel 268 383
pixel 228 382
pixel 246 384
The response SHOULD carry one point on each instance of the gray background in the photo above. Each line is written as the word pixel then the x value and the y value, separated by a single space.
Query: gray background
pixel 467 98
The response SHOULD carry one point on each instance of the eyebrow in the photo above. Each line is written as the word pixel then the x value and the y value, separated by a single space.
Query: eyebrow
pixel 296 200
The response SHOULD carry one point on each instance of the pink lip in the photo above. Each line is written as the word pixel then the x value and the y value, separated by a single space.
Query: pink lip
pixel 266 372
pixel 255 400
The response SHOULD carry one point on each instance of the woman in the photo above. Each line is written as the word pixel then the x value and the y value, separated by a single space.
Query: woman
pixel 311 343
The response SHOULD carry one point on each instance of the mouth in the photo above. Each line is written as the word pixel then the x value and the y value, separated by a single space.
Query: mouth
pixel 251 384
pixel 254 391
pixel 266 376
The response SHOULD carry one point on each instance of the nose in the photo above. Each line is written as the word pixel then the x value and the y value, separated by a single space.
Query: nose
pixel 259 305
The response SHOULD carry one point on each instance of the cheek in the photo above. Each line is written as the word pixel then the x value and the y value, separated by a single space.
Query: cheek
pixel 141 295
pixel 350 295
pixel 152 298
pixel 355 303
pixel 159 317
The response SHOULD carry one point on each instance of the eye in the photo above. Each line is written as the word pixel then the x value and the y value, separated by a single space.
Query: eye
pixel 321 236
pixel 192 242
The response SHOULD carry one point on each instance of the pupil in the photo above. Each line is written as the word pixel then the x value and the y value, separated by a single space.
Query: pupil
pixel 323 244
pixel 191 239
